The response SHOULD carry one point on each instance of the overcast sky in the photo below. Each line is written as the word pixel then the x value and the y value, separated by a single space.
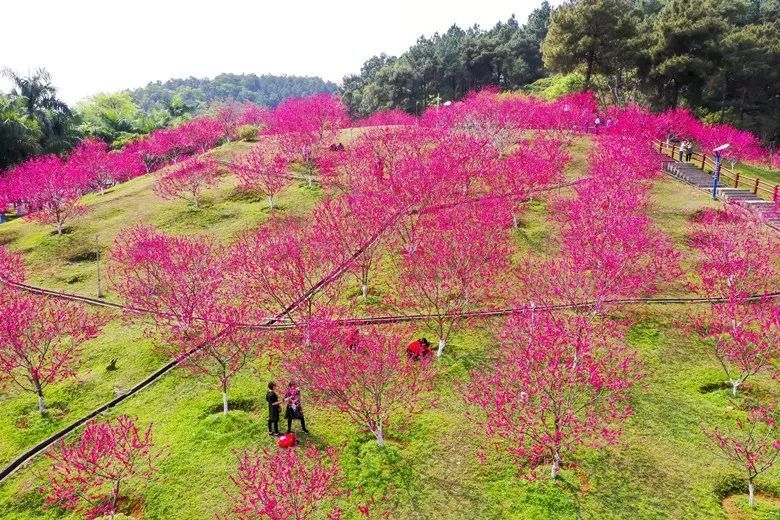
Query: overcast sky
pixel 109 45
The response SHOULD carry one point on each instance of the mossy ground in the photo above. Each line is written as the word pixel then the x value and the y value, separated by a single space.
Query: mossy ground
pixel 661 469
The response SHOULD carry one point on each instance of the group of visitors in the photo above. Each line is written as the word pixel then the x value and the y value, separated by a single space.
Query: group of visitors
pixel 416 350
pixel 293 408
pixel 685 150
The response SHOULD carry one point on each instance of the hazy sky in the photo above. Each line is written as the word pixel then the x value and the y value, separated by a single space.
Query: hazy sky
pixel 109 45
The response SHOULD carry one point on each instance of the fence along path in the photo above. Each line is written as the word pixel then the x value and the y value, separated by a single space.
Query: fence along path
pixel 762 197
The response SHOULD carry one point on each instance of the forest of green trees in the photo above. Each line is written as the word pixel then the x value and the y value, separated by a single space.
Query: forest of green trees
pixel 721 58
pixel 33 120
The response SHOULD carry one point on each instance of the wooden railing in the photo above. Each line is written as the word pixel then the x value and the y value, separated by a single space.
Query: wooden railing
pixel 705 162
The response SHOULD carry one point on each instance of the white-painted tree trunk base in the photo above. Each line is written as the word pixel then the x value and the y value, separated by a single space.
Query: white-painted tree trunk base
pixel 442 344
pixel 224 403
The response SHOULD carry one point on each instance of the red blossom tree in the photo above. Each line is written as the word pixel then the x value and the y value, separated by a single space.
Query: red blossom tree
pixel 264 169
pixel 558 383
pixel 188 179
pixel 94 473
pixel 284 485
pixel 41 340
pixel 196 314
pixel 365 375
pixel 753 448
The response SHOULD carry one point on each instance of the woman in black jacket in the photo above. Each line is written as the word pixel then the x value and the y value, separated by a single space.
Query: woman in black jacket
pixel 274 409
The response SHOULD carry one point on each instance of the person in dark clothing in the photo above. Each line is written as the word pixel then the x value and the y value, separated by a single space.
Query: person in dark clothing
pixel 294 408
pixel 274 409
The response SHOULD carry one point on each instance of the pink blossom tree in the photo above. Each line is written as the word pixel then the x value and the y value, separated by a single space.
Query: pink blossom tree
pixel 282 266
pixel 11 266
pixel 735 253
pixel 366 376
pixel 93 474
pixel 51 190
pixel 264 169
pixel 41 340
pixel 343 225
pixel 194 308
pixel 306 126
pixel 736 260
pixel 753 448
pixel 558 383
pixel 457 262
pixel 101 168
pixel 188 179
pixel 280 485
pixel 744 338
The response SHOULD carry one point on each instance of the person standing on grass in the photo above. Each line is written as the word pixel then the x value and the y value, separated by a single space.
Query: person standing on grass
pixel 689 151
pixel 274 409
pixel 294 409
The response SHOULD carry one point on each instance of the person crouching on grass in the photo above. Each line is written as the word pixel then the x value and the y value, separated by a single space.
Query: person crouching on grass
pixel 274 409
pixel 294 409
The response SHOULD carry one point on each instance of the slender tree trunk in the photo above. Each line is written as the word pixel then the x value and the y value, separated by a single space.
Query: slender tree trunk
pixel 224 402
pixel 41 400
pixel 41 404
pixel 271 202
pixel 515 222
pixel 59 227
pixel 734 387
pixel 442 343
pixel 556 466
pixel 380 436
pixel 364 290
pixel 751 494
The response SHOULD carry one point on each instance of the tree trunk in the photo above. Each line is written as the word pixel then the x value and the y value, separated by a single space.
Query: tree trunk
pixel 751 494
pixel 270 202
pixel 309 180
pixel 588 72
pixel 41 403
pixel 442 343
pixel 380 436
pixel 515 222
pixel 556 466
pixel 224 402
pixel 59 227
pixel 734 387
pixel 364 290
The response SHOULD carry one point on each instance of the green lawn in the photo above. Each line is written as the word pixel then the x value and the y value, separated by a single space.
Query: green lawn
pixel 661 469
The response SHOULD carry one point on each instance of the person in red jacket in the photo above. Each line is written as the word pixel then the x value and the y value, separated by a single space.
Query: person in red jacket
pixel 419 349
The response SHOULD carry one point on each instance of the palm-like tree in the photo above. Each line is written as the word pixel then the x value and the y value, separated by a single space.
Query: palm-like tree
pixel 38 97
pixel 19 138
pixel 37 91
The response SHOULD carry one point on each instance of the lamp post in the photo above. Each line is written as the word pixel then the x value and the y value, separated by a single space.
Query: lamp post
pixel 716 173
pixel 97 258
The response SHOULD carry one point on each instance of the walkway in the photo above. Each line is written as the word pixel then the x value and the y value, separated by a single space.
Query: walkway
pixel 690 174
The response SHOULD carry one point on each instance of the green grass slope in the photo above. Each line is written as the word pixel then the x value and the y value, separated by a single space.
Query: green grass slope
pixel 661 469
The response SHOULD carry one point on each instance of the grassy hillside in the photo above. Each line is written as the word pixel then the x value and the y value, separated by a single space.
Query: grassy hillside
pixel 662 469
